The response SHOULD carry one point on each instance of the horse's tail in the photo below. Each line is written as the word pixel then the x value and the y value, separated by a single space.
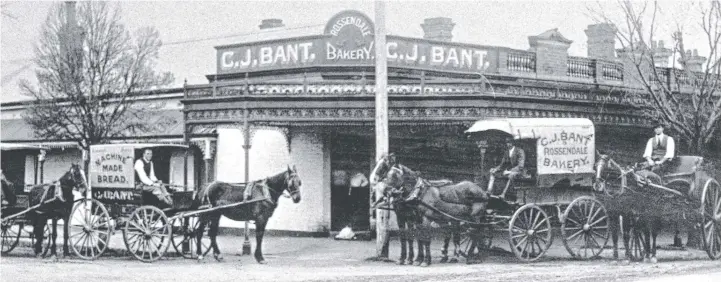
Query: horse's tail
pixel 201 198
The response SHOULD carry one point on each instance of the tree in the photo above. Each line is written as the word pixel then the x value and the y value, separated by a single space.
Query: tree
pixel 685 96
pixel 90 73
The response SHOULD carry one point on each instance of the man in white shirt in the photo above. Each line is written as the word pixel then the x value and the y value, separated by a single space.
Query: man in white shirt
pixel 146 180
pixel 659 149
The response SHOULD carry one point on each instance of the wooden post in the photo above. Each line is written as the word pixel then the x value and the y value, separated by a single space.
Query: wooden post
pixel 381 121
pixel 246 148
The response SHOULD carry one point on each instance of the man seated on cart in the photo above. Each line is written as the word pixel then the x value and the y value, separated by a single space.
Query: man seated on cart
pixel 512 165
pixel 659 149
pixel 146 180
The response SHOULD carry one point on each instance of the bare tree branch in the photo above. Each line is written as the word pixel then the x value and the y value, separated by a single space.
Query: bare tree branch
pixel 89 75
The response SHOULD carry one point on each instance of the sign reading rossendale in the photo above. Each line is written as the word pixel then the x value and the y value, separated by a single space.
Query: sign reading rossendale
pixel 348 40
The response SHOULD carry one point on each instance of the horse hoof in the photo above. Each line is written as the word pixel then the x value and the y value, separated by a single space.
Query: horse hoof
pixel 424 264
pixel 262 261
pixel 418 263
pixel 654 260
pixel 444 259
pixel 401 262
pixel 200 258
pixel 409 262
pixel 626 262
pixel 52 258
pixel 646 260
pixel 218 257
pixel 453 260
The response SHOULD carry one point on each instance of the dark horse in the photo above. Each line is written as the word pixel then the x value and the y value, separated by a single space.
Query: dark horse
pixel 267 191
pixel 424 204
pixel 406 216
pixel 55 209
pixel 627 210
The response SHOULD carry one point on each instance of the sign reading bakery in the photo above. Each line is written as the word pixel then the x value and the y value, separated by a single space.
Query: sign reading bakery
pixel 348 40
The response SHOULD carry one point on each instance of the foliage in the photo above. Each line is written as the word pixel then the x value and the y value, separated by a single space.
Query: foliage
pixel 90 73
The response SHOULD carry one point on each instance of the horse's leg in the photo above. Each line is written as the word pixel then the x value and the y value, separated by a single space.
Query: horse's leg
pixel 213 233
pixel 259 231
pixel 427 255
pixel 456 246
pixel 402 229
pixel 199 236
pixel 626 233
pixel 66 234
pixel 53 247
pixel 410 236
pixel 420 255
pixel 38 231
pixel 654 234
pixel 614 221
pixel 647 242
pixel 444 251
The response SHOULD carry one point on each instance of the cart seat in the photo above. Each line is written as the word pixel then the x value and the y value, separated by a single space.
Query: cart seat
pixel 682 166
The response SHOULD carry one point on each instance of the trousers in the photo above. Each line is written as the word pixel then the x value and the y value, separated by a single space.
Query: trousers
pixel 158 191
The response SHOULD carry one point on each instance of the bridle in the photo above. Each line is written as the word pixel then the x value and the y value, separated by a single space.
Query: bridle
pixel 83 180
pixel 290 183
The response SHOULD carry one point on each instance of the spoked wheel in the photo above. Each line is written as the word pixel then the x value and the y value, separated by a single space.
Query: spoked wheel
pixel 711 211
pixel 585 228
pixel 147 233
pixel 636 244
pixel 89 230
pixel 474 243
pixel 184 239
pixel 11 231
pixel 530 233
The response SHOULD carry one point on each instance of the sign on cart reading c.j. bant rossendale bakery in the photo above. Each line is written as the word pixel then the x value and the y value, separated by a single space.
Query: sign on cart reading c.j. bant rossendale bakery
pixel 112 166
pixel 570 150
pixel 348 40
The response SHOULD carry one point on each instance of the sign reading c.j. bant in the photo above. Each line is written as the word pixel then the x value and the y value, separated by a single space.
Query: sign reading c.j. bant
pixel 112 167
pixel 566 151
pixel 349 41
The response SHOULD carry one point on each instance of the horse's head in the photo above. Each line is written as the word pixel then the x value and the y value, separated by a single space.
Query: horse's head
pixel 601 165
pixel 293 184
pixel 382 167
pixel 75 178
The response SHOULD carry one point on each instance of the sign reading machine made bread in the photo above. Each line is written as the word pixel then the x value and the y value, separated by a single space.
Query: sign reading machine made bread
pixel 112 166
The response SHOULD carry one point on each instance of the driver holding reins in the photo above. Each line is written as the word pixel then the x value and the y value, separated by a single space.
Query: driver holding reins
pixel 146 180
pixel 659 149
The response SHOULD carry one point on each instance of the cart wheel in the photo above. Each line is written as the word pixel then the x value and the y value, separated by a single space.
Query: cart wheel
pixel 585 228
pixel 530 233
pixel 147 233
pixel 10 235
pixel 89 230
pixel 636 244
pixel 475 244
pixel 711 211
pixel 185 231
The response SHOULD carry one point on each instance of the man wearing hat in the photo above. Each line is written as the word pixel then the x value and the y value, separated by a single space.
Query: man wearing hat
pixel 512 164
pixel 659 148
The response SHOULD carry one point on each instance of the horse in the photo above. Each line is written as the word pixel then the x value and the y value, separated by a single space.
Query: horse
pixel 647 225
pixel 434 205
pixel 405 217
pixel 52 208
pixel 8 191
pixel 221 193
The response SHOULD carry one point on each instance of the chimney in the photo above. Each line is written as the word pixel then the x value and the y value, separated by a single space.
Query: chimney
pixel 440 29
pixel 601 41
pixel 271 23
pixel 551 49
pixel 660 53
pixel 694 62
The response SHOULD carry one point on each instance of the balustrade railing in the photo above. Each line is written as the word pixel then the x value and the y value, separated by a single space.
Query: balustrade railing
pixel 581 67
pixel 520 61
pixel 611 71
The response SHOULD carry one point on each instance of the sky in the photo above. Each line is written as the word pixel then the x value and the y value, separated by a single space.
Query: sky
pixel 184 27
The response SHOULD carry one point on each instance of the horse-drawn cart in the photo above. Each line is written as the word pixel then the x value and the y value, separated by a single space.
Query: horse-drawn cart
pixel 16 203
pixel 116 203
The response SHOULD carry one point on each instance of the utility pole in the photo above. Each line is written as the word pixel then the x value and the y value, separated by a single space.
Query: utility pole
pixel 246 148
pixel 381 121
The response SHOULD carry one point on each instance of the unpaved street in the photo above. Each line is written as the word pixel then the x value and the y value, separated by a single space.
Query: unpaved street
pixel 323 259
